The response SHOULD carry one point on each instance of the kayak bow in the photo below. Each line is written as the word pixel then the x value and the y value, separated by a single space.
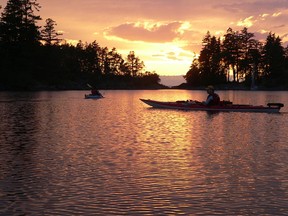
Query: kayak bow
pixel 223 106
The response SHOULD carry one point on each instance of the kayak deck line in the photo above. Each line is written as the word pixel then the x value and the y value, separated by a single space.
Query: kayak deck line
pixel 223 106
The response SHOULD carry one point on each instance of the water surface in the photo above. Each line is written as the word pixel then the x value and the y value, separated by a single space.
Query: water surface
pixel 63 155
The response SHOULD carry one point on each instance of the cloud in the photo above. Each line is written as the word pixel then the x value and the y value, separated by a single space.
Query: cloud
pixel 279 26
pixel 173 56
pixel 247 22
pixel 148 9
pixel 183 22
pixel 272 23
pixel 253 7
pixel 147 32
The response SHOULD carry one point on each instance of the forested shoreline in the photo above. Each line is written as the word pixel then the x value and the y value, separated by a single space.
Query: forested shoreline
pixel 240 60
pixel 37 58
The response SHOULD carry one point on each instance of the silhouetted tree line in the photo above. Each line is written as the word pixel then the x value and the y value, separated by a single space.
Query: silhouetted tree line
pixel 35 57
pixel 240 58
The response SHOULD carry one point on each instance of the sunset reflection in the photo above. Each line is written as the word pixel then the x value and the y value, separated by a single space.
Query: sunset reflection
pixel 119 156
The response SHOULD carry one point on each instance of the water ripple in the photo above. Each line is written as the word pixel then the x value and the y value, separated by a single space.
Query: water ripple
pixel 63 155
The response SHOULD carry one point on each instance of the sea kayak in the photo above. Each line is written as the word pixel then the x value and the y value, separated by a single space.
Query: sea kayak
pixel 223 106
pixel 90 96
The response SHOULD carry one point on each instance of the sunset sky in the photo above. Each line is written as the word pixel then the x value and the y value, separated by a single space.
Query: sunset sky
pixel 165 34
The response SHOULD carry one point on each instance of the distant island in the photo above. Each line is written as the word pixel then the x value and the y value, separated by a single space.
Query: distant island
pixel 37 58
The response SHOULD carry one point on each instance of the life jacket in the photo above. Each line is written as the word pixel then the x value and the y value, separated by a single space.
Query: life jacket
pixel 94 92
pixel 216 99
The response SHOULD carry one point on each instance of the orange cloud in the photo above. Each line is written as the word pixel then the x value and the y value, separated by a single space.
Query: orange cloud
pixel 247 22
pixel 149 27
pixel 155 33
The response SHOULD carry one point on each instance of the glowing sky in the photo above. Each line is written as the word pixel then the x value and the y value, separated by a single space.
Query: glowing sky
pixel 165 34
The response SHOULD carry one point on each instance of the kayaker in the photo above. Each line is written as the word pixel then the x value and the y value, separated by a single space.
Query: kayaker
pixel 212 98
pixel 95 92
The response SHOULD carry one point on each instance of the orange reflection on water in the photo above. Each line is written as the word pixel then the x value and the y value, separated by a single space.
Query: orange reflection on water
pixel 116 155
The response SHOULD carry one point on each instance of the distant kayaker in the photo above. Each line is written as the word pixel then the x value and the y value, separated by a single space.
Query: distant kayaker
pixel 95 92
pixel 212 98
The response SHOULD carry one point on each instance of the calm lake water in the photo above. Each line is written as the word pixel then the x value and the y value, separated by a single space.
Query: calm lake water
pixel 63 155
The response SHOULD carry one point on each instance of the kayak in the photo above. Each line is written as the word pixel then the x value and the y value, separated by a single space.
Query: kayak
pixel 223 106
pixel 90 96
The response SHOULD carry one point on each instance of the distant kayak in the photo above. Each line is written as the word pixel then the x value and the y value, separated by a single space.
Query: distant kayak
pixel 223 106
pixel 90 96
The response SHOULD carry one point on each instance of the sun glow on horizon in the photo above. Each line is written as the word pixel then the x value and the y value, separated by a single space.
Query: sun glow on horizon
pixel 163 58
pixel 166 38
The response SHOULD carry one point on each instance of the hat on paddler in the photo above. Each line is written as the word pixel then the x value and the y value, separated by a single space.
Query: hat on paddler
pixel 210 87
